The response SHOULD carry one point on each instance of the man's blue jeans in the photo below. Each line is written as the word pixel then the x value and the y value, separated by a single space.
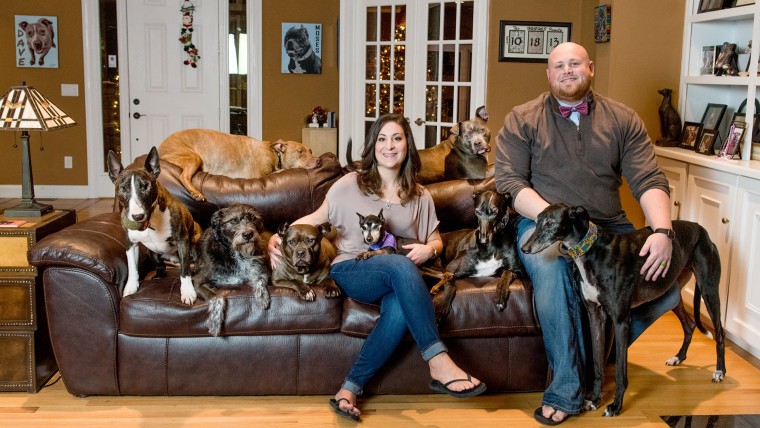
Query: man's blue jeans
pixel 393 281
pixel 559 308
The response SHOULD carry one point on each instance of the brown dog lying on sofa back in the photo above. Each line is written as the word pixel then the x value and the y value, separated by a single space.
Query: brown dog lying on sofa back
pixel 233 156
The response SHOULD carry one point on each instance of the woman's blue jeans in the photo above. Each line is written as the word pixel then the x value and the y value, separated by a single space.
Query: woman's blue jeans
pixel 559 308
pixel 393 281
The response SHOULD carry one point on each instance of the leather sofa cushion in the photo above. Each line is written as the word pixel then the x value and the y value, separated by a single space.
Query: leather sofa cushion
pixel 473 312
pixel 156 311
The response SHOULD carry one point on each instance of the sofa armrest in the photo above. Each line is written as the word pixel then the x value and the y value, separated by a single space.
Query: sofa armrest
pixel 97 245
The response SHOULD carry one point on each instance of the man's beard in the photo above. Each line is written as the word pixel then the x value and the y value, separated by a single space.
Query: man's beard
pixel 574 93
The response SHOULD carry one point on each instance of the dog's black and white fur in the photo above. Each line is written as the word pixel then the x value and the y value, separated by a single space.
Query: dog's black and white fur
pixel 303 59
pixel 489 250
pixel 608 267
pixel 231 252
pixel 153 217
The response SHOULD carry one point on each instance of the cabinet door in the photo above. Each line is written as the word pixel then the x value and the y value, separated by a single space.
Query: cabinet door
pixel 711 196
pixel 676 172
pixel 743 315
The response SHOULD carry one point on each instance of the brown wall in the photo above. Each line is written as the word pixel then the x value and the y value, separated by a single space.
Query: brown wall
pixel 47 165
pixel 643 56
pixel 289 98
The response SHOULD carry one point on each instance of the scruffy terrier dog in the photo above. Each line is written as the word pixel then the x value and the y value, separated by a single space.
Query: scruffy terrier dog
pixel 231 252
pixel 381 241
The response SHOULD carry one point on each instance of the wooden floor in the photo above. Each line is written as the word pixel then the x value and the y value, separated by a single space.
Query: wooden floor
pixel 654 390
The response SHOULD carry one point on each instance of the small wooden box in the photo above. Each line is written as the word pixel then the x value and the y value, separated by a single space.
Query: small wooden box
pixel 320 140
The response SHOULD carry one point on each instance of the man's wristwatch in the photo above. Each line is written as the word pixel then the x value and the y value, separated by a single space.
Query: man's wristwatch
pixel 668 232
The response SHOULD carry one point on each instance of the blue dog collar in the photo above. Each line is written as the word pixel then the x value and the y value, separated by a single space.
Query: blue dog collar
pixel 582 247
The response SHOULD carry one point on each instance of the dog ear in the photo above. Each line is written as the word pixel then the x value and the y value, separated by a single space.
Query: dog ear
pixel 380 215
pixel 114 166
pixel 509 200
pixel 482 113
pixel 361 218
pixel 324 228
pixel 278 146
pixel 152 164
pixel 216 222
pixel 23 25
pixel 455 129
pixel 283 229
pixel 579 212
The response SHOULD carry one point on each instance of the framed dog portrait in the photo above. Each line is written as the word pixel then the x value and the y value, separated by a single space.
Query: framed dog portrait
pixel 301 48
pixel 530 41
pixel 690 134
pixel 36 41
pixel 712 116
pixel 731 145
pixel 706 142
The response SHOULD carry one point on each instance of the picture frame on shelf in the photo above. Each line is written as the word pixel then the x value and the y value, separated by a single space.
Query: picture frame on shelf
pixel 735 3
pixel 709 53
pixel 742 117
pixel 710 5
pixel 706 142
pixel 712 116
pixel 690 134
pixel 730 146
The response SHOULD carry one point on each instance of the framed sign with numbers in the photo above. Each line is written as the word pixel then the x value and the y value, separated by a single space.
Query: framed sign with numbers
pixel 530 41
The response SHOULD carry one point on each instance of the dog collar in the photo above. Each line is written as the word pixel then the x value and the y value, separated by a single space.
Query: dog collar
pixel 279 159
pixel 582 247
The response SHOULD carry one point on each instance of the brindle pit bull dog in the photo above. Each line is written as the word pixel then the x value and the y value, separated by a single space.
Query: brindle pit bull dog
pixel 233 156
pixel 306 257
pixel 462 155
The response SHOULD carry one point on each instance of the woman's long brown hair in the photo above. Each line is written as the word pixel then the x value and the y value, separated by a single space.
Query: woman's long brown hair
pixel 369 178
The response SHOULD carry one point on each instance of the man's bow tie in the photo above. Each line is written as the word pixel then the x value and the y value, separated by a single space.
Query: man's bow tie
pixel 581 108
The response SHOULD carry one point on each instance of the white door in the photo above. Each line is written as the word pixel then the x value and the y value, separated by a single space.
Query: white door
pixel 423 59
pixel 164 94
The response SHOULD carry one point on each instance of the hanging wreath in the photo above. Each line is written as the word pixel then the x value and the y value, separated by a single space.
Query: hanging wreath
pixel 186 34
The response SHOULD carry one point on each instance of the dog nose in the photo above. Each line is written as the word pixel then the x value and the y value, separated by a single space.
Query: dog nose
pixel 301 253
pixel 248 235
pixel 319 162
pixel 138 217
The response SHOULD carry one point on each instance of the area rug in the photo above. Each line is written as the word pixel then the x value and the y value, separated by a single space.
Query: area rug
pixel 712 421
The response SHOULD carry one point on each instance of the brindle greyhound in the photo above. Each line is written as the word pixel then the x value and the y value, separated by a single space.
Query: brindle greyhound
pixel 608 267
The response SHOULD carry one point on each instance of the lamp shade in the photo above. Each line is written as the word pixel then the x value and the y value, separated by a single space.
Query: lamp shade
pixel 25 109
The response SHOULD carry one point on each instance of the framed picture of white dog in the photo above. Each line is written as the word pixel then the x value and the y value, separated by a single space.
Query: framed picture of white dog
pixel 301 48
pixel 36 41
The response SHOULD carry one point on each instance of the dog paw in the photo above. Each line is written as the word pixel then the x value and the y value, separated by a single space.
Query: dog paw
pixel 309 296
pixel 187 291
pixel 198 196
pixel 130 288
pixel 611 411
pixel 673 361
pixel 332 292
pixel 718 376
pixel 589 405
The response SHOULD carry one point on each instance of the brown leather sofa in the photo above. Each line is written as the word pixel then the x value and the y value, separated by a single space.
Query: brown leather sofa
pixel 151 344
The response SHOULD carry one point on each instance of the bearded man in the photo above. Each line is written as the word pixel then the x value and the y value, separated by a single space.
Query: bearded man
pixel 573 146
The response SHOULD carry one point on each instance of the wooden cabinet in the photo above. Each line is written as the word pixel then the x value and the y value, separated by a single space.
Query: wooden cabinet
pixel 26 356
pixel 321 140
pixel 743 314
pixel 676 172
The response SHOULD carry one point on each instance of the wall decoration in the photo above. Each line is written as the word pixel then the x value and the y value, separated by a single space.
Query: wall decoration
pixel 186 34
pixel 602 23
pixel 301 48
pixel 529 41
pixel 713 115
pixel 36 41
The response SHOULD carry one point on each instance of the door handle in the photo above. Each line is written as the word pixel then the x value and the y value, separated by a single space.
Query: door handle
pixel 419 121
pixel 137 115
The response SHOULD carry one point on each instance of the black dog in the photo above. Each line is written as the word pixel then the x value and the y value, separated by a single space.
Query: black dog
pixel 608 267
pixel 306 257
pixel 303 59
pixel 489 250
pixel 381 241
pixel 231 252
pixel 155 218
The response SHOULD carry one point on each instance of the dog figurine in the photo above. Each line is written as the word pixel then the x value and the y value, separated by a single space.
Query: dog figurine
pixel 381 241
pixel 462 155
pixel 489 250
pixel 153 217
pixel 670 120
pixel 40 38
pixel 608 267
pixel 233 156
pixel 303 59
pixel 232 252
pixel 306 257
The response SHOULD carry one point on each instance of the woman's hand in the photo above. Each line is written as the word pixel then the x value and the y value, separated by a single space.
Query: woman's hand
pixel 274 250
pixel 420 253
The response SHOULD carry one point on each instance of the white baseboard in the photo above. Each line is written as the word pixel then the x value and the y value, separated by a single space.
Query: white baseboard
pixel 42 191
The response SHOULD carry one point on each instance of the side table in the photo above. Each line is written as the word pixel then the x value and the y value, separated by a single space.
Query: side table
pixel 320 140
pixel 26 356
